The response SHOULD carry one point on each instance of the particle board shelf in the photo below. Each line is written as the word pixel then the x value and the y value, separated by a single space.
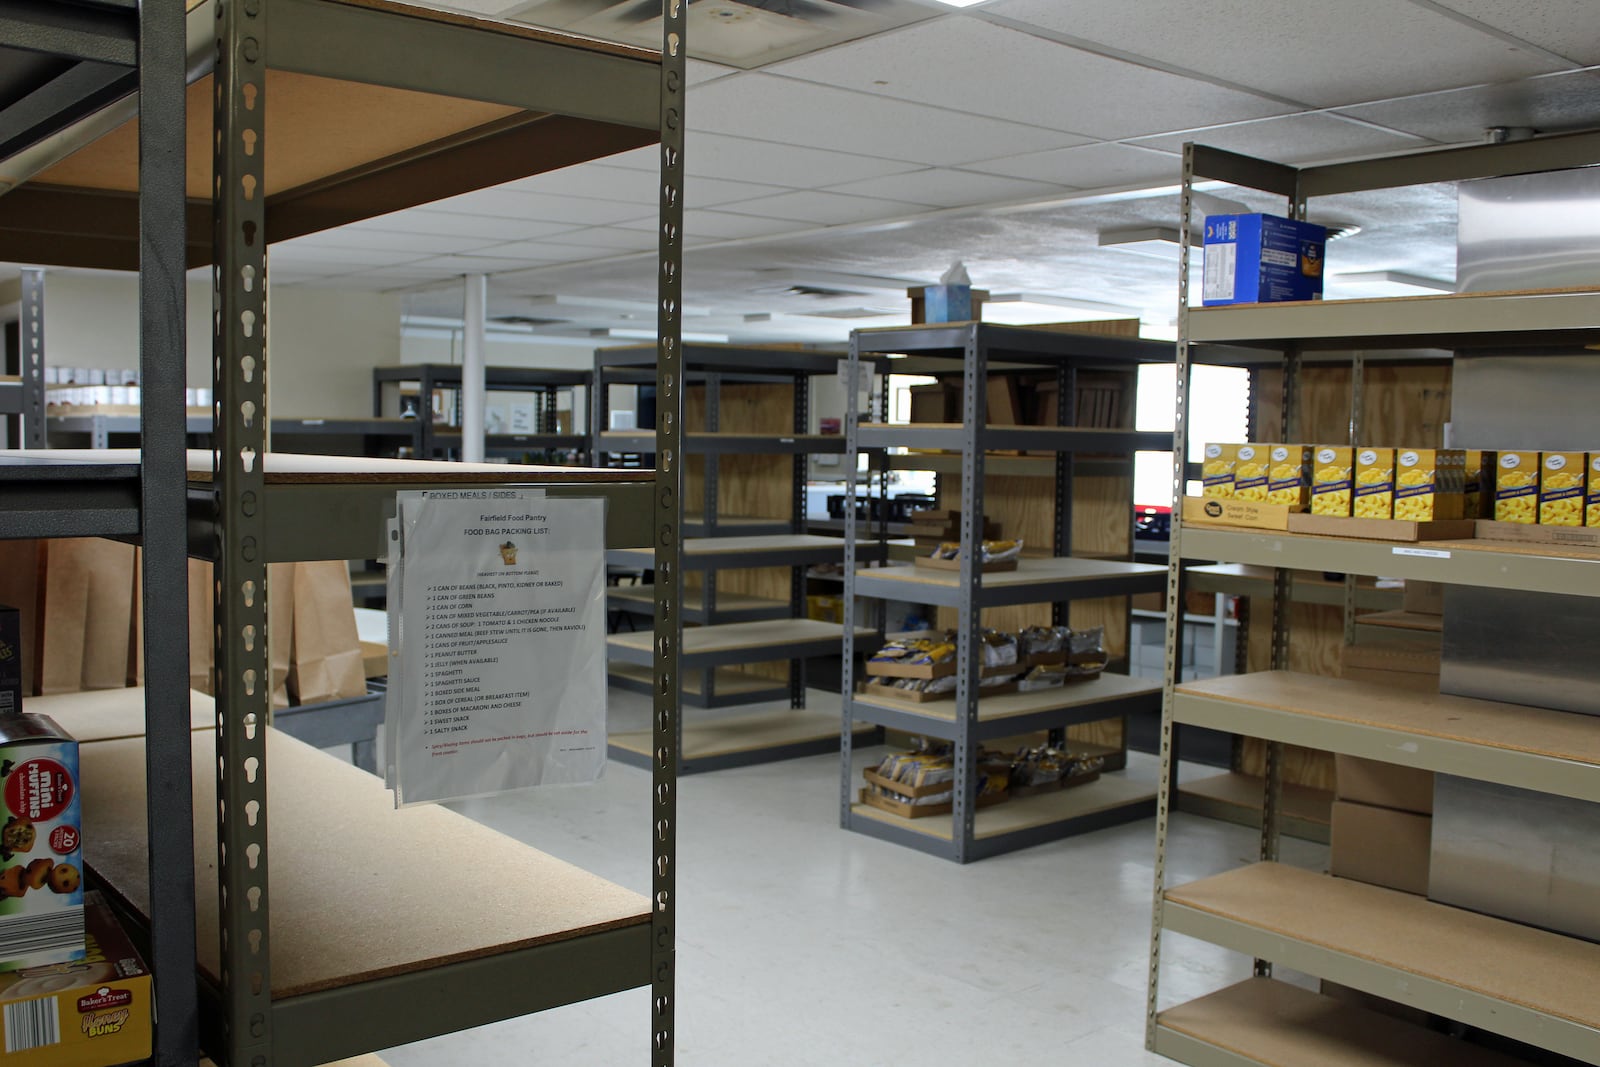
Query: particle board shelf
pixel 1034 581
pixel 113 714
pixel 740 741
pixel 1527 984
pixel 1531 748
pixel 1547 317
pixel 747 642
pixel 724 443
pixel 1491 564
pixel 728 686
pixel 1029 345
pixel 767 362
pixel 1305 587
pixel 1306 813
pixel 1007 714
pixel 737 526
pixel 731 607
pixel 367 954
pixel 950 463
pixel 511 442
pixel 951 437
pixel 766 550
pixel 1265 1023
pixel 1403 620
pixel 504 102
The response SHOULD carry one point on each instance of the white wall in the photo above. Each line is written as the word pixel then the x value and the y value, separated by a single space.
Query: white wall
pixel 324 343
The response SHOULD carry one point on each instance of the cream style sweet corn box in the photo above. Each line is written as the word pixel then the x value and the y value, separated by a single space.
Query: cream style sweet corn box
pixel 1429 484
pixel 1374 484
pixel 1216 472
pixel 1330 480
pixel 1289 476
pixel 1250 473
pixel 1516 487
pixel 1561 487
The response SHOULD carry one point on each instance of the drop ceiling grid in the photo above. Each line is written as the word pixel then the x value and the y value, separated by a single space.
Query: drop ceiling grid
pixel 825 208
pixel 970 65
pixel 1291 138
pixel 1369 49
pixel 1551 102
pixel 712 155
pixel 540 207
pixel 1091 166
pixel 1569 28
pixel 444 223
pixel 939 187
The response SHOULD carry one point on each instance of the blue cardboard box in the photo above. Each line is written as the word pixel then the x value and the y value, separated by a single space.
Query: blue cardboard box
pixel 1253 259
pixel 947 303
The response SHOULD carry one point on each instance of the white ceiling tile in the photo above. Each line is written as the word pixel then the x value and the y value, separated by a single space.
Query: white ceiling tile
pixel 544 207
pixel 1292 139
pixel 1568 28
pixel 607 239
pixel 423 220
pixel 787 111
pixel 825 208
pixel 717 156
pixel 969 65
pixel 1314 51
pixel 446 265
pixel 702 226
pixel 701 71
pixel 1094 166
pixel 361 238
pixel 1554 102
pixel 594 180
pixel 541 250
pixel 948 188
pixel 295 254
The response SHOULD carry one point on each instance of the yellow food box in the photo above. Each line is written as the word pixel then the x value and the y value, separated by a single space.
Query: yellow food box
pixel 1330 480
pixel 1516 487
pixel 1591 500
pixel 1216 473
pixel 1250 473
pixel 1478 491
pixel 1289 476
pixel 1374 484
pixel 1561 486
pixel 1429 484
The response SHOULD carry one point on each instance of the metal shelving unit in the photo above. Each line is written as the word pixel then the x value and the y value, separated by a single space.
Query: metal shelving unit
pixel 434 441
pixel 512 101
pixel 1401 947
pixel 975 349
pixel 738 629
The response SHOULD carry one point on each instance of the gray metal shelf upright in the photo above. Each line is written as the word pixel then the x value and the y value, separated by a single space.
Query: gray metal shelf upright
pixel 545 435
pixel 976 349
pixel 720 542
pixel 1389 944
pixel 514 101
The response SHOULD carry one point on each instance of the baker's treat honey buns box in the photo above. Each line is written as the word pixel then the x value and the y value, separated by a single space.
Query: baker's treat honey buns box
pixel 1516 487
pixel 1374 484
pixel 1331 479
pixel 41 831
pixel 1561 488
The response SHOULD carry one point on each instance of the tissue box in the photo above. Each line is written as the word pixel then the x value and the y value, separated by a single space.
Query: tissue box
pixel 947 303
pixel 1253 259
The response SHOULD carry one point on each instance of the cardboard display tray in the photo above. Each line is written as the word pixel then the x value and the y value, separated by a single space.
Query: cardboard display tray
pixel 998 566
pixel 905 790
pixel 933 670
pixel 1243 514
pixel 911 696
pixel 921 811
pixel 1523 533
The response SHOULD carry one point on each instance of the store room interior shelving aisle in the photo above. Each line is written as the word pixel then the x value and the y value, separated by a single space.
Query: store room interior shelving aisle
pixel 800 945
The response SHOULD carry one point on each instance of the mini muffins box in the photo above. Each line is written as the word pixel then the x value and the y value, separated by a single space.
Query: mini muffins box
pixel 1429 483
pixel 1289 476
pixel 1374 484
pixel 1478 489
pixel 1250 473
pixel 10 661
pixel 41 866
pixel 1331 476
pixel 1561 488
pixel 1591 500
pixel 1216 472
pixel 1516 487
pixel 94 1012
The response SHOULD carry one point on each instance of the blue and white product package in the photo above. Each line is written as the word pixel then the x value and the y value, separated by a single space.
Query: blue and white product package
pixel 1253 259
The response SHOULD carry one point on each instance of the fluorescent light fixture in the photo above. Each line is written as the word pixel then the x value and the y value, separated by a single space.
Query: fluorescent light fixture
pixel 1388 283
pixel 624 333
pixel 1154 242
pixel 782 281
pixel 960 3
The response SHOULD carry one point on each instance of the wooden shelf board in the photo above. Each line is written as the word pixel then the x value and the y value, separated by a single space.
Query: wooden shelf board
pixel 1504 961
pixel 348 902
pixel 1026 813
pixel 735 735
pixel 1245 792
pixel 1275 1024
pixel 1010 705
pixel 1403 620
pixel 290 468
pixel 1028 572
pixel 694 599
pixel 112 714
pixel 729 682
pixel 754 544
pixel 776 634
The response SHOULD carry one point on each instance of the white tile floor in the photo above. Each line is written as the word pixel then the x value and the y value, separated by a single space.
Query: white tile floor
pixel 801 944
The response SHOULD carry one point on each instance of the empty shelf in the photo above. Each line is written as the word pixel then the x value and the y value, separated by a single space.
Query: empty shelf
pixel 729 686
pixel 770 550
pixel 1034 581
pixel 1305 812
pixel 731 607
pixel 739 741
pixel 732 643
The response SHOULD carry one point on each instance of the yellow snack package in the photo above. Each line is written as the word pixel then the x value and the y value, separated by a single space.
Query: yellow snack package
pixel 1516 487
pixel 1591 500
pixel 1330 481
pixel 1478 491
pixel 1561 486
pixel 1250 473
pixel 1374 484
pixel 1428 484
pixel 1289 476
pixel 1216 473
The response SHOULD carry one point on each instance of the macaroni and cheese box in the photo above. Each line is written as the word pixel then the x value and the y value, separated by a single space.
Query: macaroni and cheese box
pixel 1374 484
pixel 90 1013
pixel 1429 484
pixel 1257 258
pixel 1331 480
pixel 1216 473
pixel 1478 485
pixel 1516 487
pixel 1591 499
pixel 1561 488
pixel 10 661
pixel 41 868
pixel 1289 476
pixel 1250 473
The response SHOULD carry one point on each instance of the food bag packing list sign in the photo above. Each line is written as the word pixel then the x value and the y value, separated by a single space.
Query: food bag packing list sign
pixel 500 641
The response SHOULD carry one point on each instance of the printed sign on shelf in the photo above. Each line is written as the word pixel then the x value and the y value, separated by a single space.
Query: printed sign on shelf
pixel 497 643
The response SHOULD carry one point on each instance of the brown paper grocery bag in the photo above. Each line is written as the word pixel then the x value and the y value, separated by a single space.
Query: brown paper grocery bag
pixel 327 661
pixel 202 636
pixel 21 565
pixel 88 615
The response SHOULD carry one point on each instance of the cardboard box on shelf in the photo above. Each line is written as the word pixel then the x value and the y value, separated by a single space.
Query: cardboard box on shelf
pixel 1383 785
pixel 11 653
pixel 1400 664
pixel 1374 484
pixel 41 865
pixel 1331 476
pixel 1561 488
pixel 1516 487
pixel 93 1013
pixel 1381 846
pixel 1261 258
pixel 1422 598
pixel 1226 511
